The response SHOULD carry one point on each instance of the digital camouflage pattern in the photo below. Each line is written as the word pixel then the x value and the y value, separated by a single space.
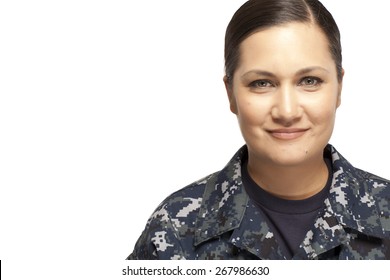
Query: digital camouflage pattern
pixel 215 219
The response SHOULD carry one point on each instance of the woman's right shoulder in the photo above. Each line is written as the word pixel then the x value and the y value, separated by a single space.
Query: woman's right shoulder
pixel 170 229
pixel 190 196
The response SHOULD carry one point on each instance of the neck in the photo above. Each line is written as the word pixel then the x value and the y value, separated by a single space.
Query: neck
pixel 290 182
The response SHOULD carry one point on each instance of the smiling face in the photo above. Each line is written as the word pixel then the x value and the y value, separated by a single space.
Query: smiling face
pixel 285 93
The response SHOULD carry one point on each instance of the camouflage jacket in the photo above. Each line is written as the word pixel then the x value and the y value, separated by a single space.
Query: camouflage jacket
pixel 215 219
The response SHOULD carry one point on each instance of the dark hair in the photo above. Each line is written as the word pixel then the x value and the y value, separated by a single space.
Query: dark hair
pixel 256 15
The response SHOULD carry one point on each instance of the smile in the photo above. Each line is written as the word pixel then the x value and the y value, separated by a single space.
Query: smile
pixel 287 133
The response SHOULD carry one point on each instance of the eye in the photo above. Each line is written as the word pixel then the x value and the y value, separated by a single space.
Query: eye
pixel 260 84
pixel 311 82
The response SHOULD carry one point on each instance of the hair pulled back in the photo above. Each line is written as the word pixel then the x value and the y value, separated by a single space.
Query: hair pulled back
pixel 256 15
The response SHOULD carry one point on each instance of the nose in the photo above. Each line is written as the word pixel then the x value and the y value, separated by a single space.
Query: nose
pixel 286 108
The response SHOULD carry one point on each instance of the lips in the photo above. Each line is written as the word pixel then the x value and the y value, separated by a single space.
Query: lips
pixel 287 133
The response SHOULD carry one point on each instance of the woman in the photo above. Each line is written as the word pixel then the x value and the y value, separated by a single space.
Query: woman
pixel 287 194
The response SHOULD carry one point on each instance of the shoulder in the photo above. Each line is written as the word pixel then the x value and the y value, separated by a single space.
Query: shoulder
pixel 169 230
pixel 372 177
pixel 208 191
pixel 376 187
pixel 360 198
pixel 181 208
pixel 378 190
pixel 183 202
pixel 345 172
pixel 177 212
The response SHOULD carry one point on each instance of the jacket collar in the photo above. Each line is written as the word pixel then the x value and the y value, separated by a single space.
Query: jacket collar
pixel 351 200
pixel 224 201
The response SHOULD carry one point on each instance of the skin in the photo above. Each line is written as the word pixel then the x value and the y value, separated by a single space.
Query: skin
pixel 285 93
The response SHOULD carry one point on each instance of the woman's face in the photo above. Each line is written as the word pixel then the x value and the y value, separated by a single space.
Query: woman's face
pixel 285 93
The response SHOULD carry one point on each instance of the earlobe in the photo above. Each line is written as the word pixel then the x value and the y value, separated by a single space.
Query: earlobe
pixel 229 91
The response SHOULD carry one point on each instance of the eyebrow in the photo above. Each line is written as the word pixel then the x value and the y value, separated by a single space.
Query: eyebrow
pixel 311 69
pixel 303 71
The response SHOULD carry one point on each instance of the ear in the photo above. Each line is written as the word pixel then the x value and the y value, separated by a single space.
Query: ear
pixel 340 87
pixel 229 91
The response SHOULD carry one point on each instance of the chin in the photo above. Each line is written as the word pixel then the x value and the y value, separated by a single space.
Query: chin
pixel 288 155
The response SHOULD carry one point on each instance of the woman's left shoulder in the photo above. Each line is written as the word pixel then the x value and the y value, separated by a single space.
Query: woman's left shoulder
pixel 374 180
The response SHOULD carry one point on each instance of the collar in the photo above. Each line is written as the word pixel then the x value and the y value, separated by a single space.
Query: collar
pixel 224 201
pixel 357 199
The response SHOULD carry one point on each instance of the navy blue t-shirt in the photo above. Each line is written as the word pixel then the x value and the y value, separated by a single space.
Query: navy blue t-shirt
pixel 290 220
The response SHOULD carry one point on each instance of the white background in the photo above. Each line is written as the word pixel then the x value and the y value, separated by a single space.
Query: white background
pixel 107 107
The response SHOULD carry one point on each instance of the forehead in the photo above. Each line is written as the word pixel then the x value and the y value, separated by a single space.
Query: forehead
pixel 290 46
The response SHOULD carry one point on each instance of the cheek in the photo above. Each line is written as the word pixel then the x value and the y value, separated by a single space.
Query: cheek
pixel 323 118
pixel 322 111
pixel 251 112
